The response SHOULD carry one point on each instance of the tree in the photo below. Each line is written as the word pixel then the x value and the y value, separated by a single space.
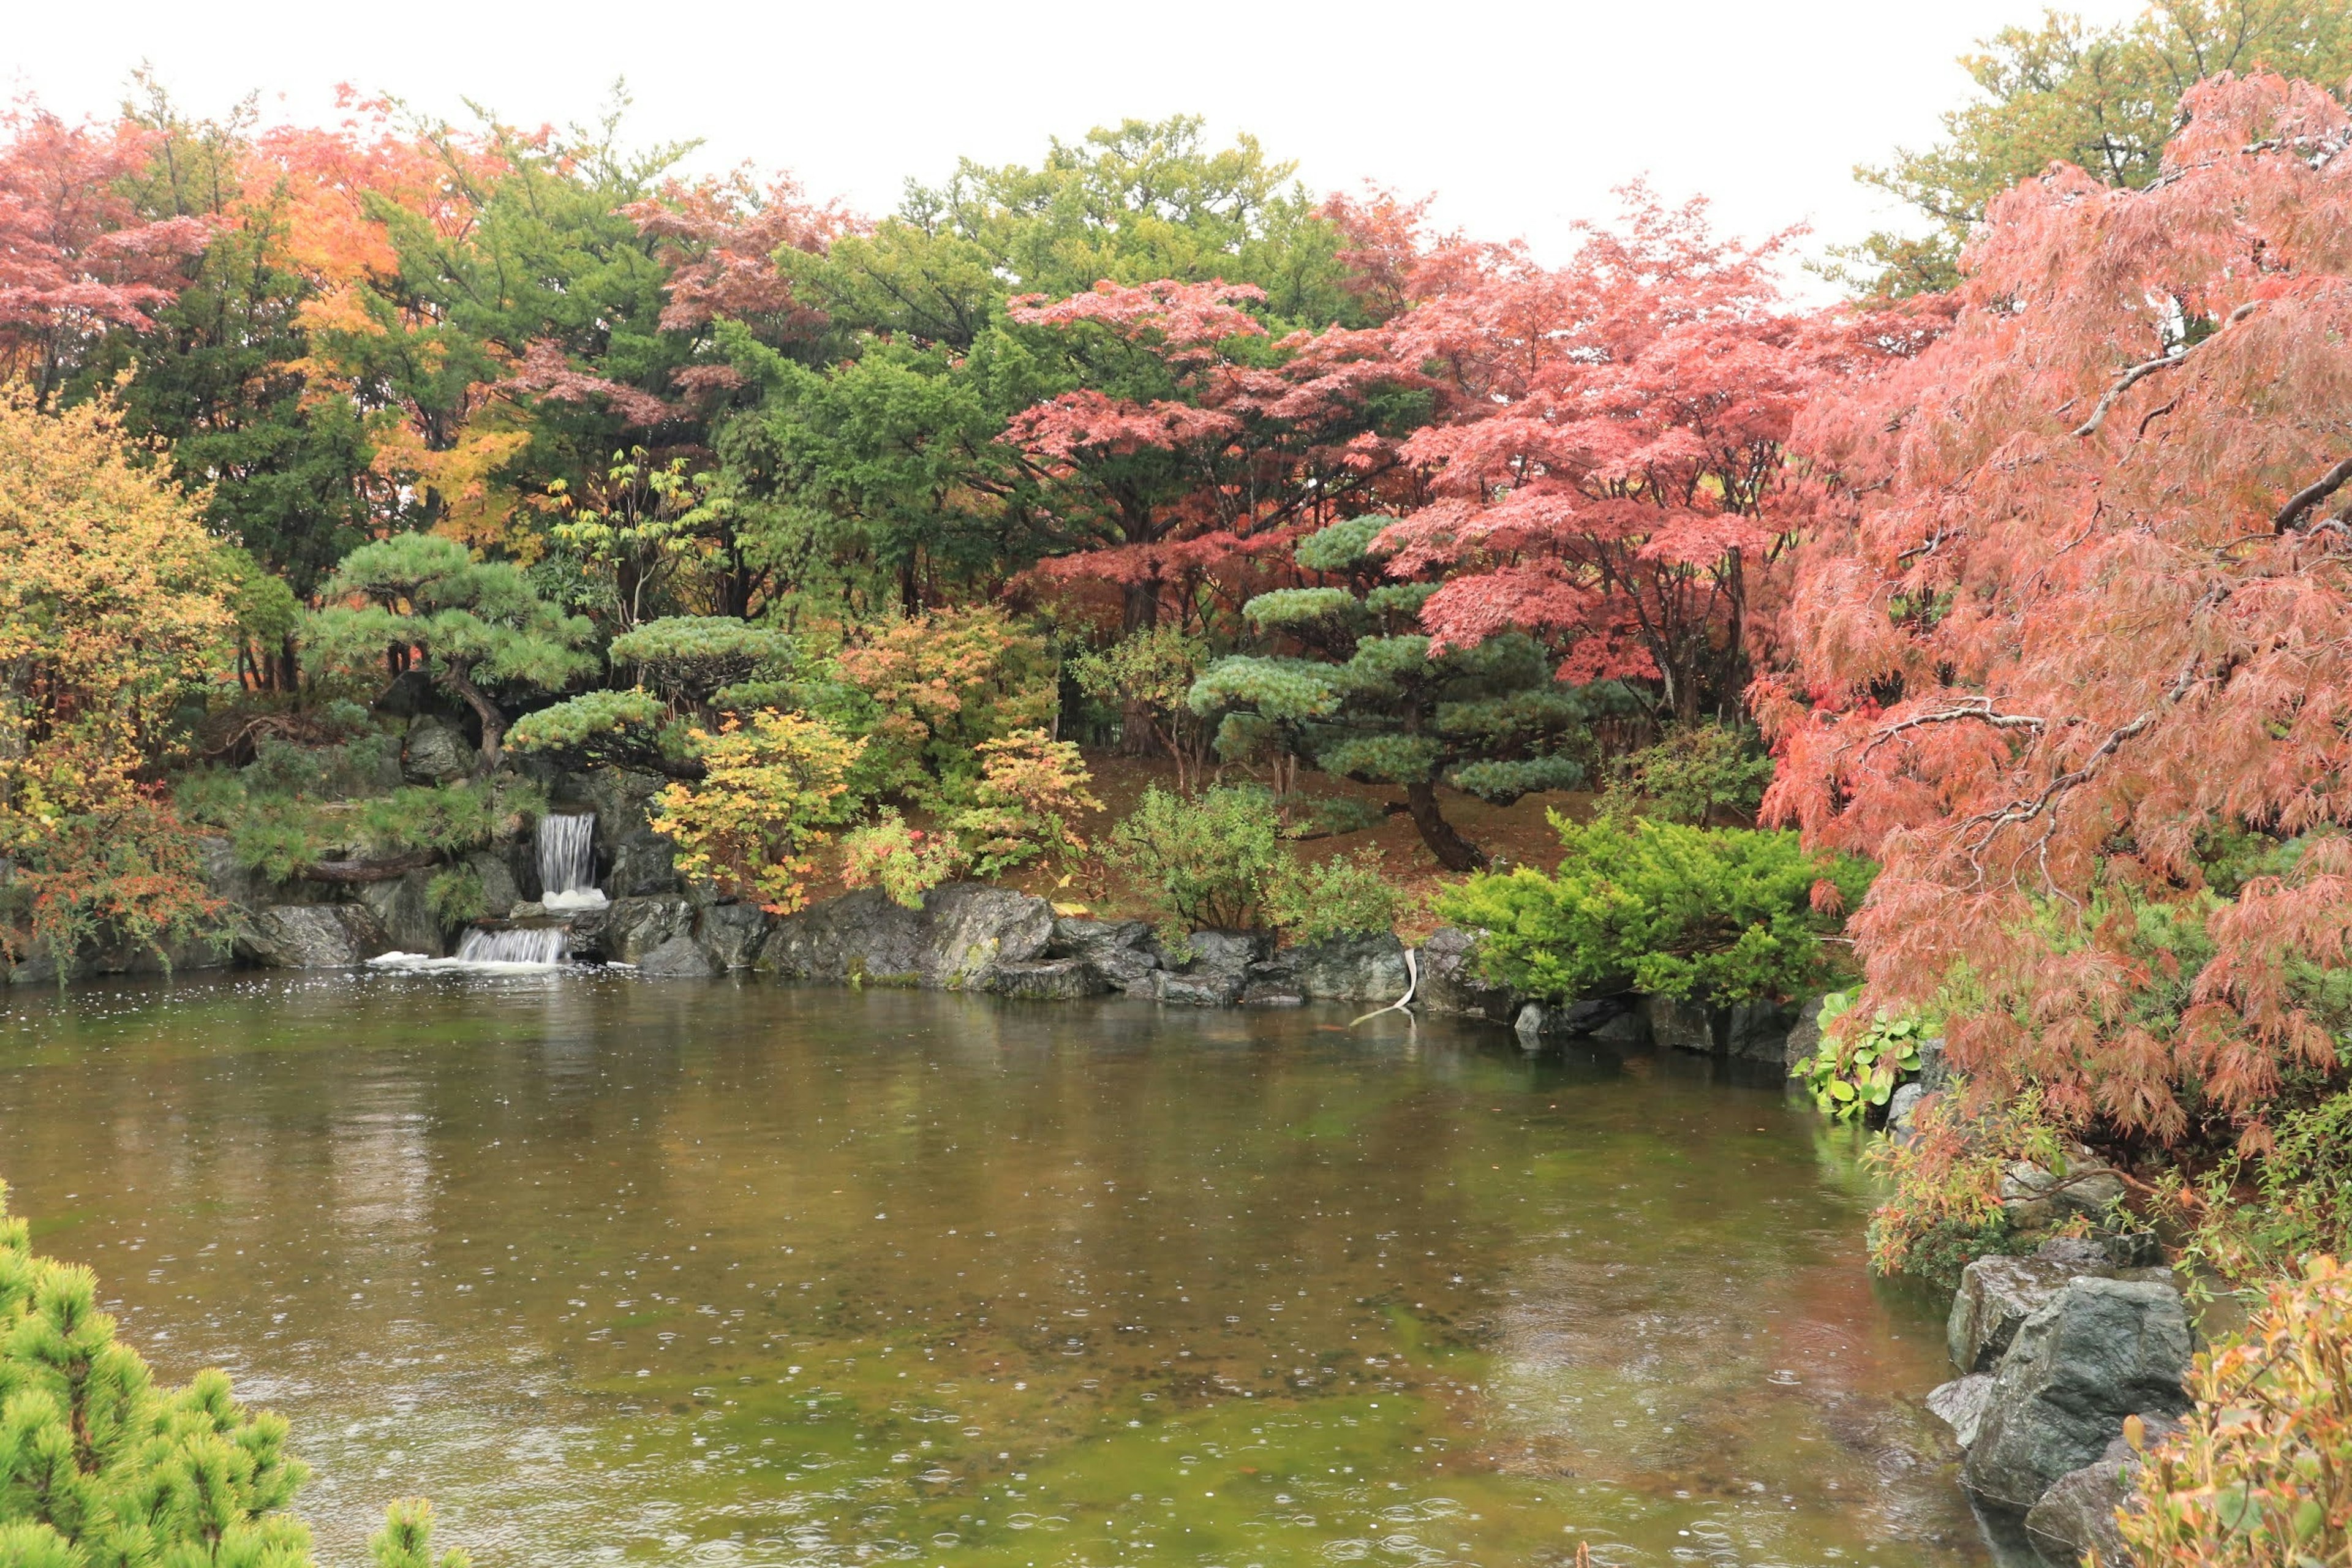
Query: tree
pixel 474 624
pixel 1368 698
pixel 774 787
pixel 2073 665
pixel 99 1467
pixel 1606 469
pixel 77 260
pixel 2100 98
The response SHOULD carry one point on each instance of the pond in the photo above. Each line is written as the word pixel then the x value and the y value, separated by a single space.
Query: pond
pixel 629 1271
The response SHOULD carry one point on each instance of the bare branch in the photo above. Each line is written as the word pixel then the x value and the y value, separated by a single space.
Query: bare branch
pixel 2310 495
pixel 2141 372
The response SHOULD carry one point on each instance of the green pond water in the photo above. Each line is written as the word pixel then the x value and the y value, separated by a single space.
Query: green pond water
pixel 631 1270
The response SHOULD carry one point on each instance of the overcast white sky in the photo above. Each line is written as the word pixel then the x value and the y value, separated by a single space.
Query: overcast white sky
pixel 1521 116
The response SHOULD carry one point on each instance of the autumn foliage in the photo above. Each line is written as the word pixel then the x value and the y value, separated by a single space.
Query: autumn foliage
pixel 2073 659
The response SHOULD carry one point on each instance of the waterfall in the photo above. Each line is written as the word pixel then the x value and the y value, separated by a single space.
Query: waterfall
pixel 567 848
pixel 525 945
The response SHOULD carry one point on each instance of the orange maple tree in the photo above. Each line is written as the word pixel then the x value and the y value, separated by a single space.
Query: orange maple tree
pixel 2076 661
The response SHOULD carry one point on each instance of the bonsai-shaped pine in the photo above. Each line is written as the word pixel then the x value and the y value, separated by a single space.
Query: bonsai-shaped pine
pixel 101 1468
pixel 697 666
pixel 475 623
pixel 1364 697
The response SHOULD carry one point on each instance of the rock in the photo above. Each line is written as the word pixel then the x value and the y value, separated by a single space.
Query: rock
pixel 1683 1026
pixel 1628 1030
pixel 2077 1514
pixel 643 865
pixel 2132 1249
pixel 501 892
pixel 1219 970
pixel 1759 1031
pixel 730 934
pixel 1996 1296
pixel 961 932
pixel 408 918
pixel 1211 988
pixel 678 958
pixel 1273 992
pixel 409 694
pixel 1451 984
pixel 1530 1025
pixel 436 752
pixel 1117 949
pixel 1934 1072
pixel 1804 1034
pixel 1901 1106
pixel 639 862
pixel 2101 1350
pixel 1047 979
pixel 633 928
pixel 1961 1405
pixel 312 936
pixel 1349 968
pixel 2033 1197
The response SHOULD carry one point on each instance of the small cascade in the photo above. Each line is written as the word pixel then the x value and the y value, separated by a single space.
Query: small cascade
pixel 524 945
pixel 567 860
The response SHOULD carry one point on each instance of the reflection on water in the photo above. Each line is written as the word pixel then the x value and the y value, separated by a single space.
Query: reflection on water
pixel 739 1273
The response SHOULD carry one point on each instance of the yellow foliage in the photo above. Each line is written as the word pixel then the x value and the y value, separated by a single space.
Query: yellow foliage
pixel 769 790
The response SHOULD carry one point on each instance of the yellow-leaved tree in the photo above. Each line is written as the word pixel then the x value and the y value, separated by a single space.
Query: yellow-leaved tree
pixel 112 606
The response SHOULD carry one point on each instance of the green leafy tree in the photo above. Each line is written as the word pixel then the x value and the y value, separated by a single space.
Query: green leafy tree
pixel 102 1468
pixel 473 624
pixel 693 660
pixel 1722 914
pixel 1365 696
pixel 2100 97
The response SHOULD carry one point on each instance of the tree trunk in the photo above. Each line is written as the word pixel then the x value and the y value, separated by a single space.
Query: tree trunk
pixel 1453 852
pixel 494 724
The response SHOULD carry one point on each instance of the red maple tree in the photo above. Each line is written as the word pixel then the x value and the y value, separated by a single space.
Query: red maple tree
pixel 2077 663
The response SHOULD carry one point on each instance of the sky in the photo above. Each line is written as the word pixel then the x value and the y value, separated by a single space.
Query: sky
pixel 1521 118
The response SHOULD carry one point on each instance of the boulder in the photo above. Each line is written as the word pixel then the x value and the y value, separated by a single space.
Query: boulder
pixel 436 752
pixel 1628 1030
pixel 312 936
pixel 408 916
pixel 677 958
pixel 633 928
pixel 1530 1025
pixel 639 862
pixel 1961 1405
pixel 730 934
pixel 1683 1025
pixel 2033 1197
pixel 1901 1106
pixel 1804 1034
pixel 500 890
pixel 1935 1071
pixel 1121 952
pixel 2077 1514
pixel 2100 1350
pixel 1451 984
pixel 1047 980
pixel 1273 991
pixel 1348 968
pixel 1996 1296
pixel 1221 969
pixel 642 865
pixel 961 932
pixel 1759 1031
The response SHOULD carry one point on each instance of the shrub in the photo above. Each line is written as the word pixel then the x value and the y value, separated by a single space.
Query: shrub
pixel 1149 675
pixel 1201 862
pixel 929 690
pixel 1944 1210
pixel 1026 803
pixel 689 659
pixel 1344 896
pixel 1692 774
pixel 1726 914
pixel 126 871
pixel 455 895
pixel 1857 1068
pixel 2301 1202
pixel 2260 1472
pixel 771 788
pixel 623 729
pixel 99 1466
pixel 903 862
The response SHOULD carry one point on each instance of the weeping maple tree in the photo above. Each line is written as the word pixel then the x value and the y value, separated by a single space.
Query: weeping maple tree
pixel 2077 665
pixel 1605 466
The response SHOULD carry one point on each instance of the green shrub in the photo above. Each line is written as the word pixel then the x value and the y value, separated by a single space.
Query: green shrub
pixel 1943 1208
pixel 903 862
pixel 1857 1069
pixel 1692 774
pixel 1311 901
pixel 454 894
pixel 1722 914
pixel 1201 862
pixel 623 729
pixel 2301 1203
pixel 690 658
pixel 101 1468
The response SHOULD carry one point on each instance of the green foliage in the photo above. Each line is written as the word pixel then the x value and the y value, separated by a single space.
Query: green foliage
pixel 624 729
pixel 2260 1472
pixel 1695 772
pixel 924 693
pixel 1311 901
pixel 1327 815
pixel 1149 675
pixel 1944 1206
pixel 476 623
pixel 771 789
pixel 690 658
pixel 1855 1072
pixel 124 872
pixel 101 1468
pixel 1203 861
pixel 2253 1219
pixel 1726 914
pixel 455 895
pixel 1026 803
